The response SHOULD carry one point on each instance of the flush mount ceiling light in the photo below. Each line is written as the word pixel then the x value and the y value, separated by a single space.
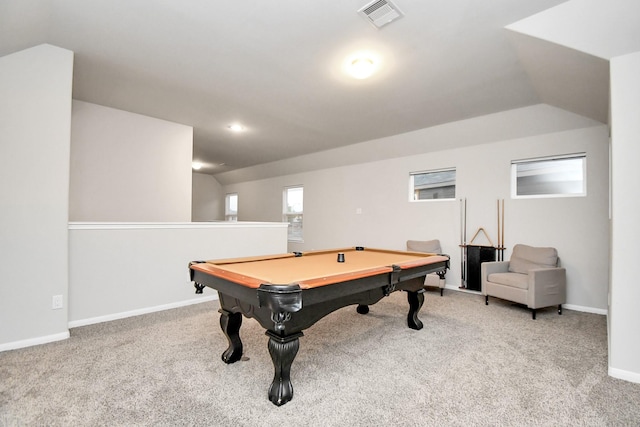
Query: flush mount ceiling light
pixel 361 68
pixel 361 65
pixel 235 127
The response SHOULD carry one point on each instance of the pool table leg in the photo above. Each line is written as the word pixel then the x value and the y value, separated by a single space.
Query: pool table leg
pixel 416 299
pixel 362 309
pixel 282 350
pixel 230 324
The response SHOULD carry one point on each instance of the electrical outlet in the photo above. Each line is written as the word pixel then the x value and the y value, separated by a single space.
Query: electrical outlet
pixel 56 302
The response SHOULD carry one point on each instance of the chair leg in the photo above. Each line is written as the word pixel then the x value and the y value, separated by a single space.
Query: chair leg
pixel 486 300
pixel 533 313
pixel 441 289
pixel 559 308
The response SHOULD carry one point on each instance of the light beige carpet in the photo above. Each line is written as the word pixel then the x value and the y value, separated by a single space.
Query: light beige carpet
pixel 471 365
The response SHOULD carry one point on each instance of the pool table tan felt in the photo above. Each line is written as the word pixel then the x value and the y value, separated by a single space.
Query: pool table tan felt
pixel 315 268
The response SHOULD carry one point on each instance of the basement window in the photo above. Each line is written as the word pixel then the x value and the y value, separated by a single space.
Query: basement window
pixel 433 185
pixel 557 176
pixel 292 211
pixel 231 207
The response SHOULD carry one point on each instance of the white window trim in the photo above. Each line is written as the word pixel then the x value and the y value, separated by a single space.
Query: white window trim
pixel 412 185
pixel 514 177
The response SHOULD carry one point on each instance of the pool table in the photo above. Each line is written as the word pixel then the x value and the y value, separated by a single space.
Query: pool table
pixel 288 293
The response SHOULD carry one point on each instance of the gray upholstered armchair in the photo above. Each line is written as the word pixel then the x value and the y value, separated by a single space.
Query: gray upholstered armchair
pixel 432 280
pixel 531 277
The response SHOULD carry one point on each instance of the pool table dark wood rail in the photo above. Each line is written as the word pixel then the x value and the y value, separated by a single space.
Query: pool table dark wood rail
pixel 285 310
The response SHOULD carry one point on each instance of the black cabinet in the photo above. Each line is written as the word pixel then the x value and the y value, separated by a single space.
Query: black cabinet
pixel 476 255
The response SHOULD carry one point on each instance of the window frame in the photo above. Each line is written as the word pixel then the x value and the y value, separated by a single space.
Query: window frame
pixel 561 157
pixel 286 214
pixel 412 189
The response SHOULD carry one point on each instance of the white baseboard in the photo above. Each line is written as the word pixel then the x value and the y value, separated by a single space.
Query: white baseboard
pixel 633 377
pixel 34 341
pixel 573 307
pixel 74 324
pixel 459 289
pixel 602 311
pixel 138 312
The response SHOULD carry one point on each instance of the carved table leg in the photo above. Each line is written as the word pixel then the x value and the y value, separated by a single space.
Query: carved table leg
pixel 230 324
pixel 416 299
pixel 282 350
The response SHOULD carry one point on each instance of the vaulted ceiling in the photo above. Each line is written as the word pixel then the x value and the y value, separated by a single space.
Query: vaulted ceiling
pixel 277 67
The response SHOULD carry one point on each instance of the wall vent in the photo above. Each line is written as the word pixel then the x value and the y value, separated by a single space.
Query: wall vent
pixel 380 12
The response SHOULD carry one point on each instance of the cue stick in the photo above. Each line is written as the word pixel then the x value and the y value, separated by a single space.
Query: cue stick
pixel 501 230
pixel 461 238
pixel 464 220
pixel 502 244
pixel 463 243
pixel 499 244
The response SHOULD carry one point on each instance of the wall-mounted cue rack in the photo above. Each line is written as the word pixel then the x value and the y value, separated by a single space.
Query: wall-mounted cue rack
pixel 473 255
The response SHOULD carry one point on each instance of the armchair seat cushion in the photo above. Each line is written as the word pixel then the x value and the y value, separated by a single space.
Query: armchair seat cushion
pixel 516 280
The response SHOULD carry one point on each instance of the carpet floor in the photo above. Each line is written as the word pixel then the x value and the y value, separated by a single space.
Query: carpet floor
pixel 471 365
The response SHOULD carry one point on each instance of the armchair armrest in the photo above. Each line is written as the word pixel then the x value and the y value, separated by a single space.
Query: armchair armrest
pixel 487 268
pixel 547 286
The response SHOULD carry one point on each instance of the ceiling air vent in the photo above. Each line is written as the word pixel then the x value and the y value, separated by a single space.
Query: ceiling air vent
pixel 380 12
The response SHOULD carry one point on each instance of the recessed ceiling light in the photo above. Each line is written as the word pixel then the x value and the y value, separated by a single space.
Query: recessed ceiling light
pixel 361 65
pixel 196 166
pixel 236 127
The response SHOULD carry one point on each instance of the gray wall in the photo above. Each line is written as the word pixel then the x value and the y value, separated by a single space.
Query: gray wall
pixel 128 167
pixel 208 199
pixel 35 111
pixel 380 191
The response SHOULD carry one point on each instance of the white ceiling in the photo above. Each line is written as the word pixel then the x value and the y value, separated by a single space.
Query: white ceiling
pixel 276 67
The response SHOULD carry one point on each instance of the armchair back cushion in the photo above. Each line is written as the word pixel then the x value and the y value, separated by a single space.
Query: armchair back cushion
pixel 525 258
pixel 428 246
pixel 432 247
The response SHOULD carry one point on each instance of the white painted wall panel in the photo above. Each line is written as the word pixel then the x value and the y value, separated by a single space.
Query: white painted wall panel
pixel 35 122
pixel 624 352
pixel 121 268
pixel 128 167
